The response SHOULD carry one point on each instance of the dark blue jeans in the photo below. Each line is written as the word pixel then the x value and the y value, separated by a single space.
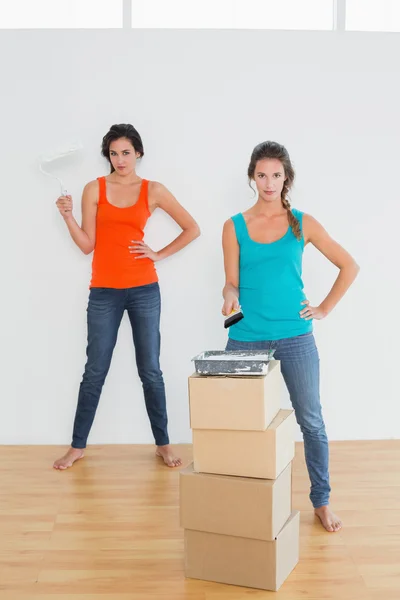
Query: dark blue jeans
pixel 104 313
pixel 300 369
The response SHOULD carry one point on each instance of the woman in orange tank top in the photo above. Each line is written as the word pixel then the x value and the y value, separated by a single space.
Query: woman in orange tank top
pixel 115 210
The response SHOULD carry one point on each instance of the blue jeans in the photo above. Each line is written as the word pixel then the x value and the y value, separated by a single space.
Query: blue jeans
pixel 300 369
pixel 104 313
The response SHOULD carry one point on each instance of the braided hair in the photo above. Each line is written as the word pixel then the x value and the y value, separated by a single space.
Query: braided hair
pixel 279 152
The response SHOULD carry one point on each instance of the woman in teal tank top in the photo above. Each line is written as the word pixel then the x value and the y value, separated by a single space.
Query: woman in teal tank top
pixel 263 252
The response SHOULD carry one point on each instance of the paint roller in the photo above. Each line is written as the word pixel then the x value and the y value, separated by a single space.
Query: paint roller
pixel 49 159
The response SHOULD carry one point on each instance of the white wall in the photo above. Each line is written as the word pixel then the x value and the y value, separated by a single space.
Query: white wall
pixel 201 101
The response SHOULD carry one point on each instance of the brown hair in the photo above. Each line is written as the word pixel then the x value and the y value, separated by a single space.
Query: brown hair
pixel 275 150
pixel 116 132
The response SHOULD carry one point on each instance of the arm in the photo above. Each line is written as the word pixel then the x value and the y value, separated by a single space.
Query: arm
pixel 84 236
pixel 160 197
pixel 348 268
pixel 231 264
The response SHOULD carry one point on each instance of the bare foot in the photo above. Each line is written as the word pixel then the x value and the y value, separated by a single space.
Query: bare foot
pixel 328 519
pixel 166 453
pixel 69 458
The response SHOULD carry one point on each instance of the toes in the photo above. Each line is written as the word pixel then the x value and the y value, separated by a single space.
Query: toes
pixel 329 521
pixel 65 466
pixel 170 461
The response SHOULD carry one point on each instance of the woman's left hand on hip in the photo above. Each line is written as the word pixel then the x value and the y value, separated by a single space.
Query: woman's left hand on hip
pixel 312 312
pixel 143 251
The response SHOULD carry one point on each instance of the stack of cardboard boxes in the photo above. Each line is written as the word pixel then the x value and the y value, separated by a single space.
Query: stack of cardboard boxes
pixel 235 499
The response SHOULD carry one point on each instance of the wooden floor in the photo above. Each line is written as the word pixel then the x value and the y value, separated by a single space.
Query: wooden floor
pixel 108 529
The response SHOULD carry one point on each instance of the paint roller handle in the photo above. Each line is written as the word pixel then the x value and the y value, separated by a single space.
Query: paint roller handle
pixel 64 205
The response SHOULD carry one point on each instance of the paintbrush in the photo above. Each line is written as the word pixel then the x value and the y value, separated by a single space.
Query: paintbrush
pixel 234 317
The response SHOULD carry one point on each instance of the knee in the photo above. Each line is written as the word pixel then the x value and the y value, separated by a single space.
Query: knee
pixel 151 375
pixel 95 374
pixel 97 365
pixel 311 422
pixel 313 427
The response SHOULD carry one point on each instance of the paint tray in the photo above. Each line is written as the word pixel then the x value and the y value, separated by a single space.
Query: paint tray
pixel 239 362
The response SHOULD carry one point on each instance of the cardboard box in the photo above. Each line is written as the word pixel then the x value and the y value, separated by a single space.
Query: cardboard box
pixel 243 561
pixel 263 454
pixel 243 403
pixel 237 506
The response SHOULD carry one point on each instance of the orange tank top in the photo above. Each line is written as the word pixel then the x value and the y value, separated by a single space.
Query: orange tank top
pixel 113 265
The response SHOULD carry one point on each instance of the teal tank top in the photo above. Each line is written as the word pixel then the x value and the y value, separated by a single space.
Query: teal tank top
pixel 270 286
